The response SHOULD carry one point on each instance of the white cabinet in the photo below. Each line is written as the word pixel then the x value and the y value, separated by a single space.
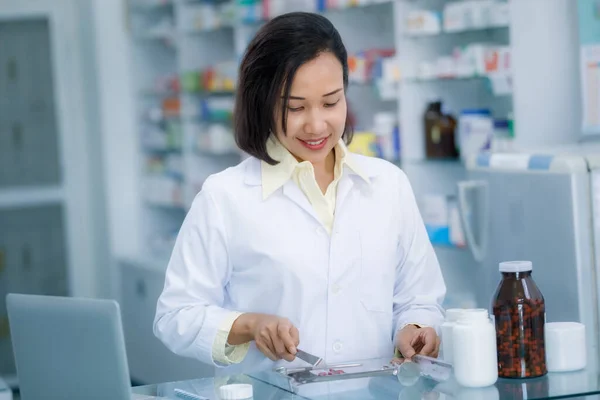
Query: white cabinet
pixel 28 127
pixel 46 151
pixel 149 360
pixel 32 260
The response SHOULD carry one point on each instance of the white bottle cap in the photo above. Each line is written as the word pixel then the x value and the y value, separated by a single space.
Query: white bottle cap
pixel 473 314
pixel 235 392
pixel 453 314
pixel 516 266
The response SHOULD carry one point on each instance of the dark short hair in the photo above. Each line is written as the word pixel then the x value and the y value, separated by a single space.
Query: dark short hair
pixel 267 69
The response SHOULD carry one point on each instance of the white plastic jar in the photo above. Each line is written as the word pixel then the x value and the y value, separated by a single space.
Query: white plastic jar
pixel 452 315
pixel 237 391
pixel 474 349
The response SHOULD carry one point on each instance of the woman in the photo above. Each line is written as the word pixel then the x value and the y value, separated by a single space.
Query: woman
pixel 303 244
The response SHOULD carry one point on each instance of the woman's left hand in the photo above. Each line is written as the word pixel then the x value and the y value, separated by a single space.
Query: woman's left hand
pixel 413 340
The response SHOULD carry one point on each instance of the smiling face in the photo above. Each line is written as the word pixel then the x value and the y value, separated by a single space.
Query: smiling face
pixel 316 110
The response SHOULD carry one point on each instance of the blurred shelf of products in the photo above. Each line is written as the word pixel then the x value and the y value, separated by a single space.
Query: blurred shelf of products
pixel 458 17
pixel 455 99
pixel 442 220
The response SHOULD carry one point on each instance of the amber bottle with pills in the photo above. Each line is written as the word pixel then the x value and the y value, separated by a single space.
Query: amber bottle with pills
pixel 520 314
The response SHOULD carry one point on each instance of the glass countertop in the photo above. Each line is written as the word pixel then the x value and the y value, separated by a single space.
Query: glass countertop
pixel 552 385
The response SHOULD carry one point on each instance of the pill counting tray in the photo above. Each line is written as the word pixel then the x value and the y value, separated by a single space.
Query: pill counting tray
pixel 295 380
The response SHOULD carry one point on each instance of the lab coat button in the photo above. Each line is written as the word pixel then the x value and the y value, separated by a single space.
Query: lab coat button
pixel 335 289
pixel 337 347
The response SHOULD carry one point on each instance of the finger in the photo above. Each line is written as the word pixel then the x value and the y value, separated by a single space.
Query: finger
pixel 267 342
pixel 436 353
pixel 429 339
pixel 295 336
pixel 417 343
pixel 260 345
pixel 288 342
pixel 415 339
pixel 405 346
pixel 278 346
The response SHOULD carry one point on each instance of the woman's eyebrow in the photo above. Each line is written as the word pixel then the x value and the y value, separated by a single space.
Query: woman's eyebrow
pixel 325 95
pixel 334 92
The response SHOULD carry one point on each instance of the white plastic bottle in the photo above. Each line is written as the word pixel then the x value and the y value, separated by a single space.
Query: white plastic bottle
pixel 474 349
pixel 452 315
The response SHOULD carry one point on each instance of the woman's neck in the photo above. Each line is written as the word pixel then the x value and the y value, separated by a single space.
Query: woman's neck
pixel 327 165
pixel 324 171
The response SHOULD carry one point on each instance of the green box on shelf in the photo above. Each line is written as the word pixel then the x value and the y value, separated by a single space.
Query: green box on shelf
pixel 219 116
pixel 190 81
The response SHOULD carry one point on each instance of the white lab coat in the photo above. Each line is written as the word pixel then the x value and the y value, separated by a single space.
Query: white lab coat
pixel 347 293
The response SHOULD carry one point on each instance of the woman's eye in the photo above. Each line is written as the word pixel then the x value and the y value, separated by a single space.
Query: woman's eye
pixel 331 104
pixel 294 109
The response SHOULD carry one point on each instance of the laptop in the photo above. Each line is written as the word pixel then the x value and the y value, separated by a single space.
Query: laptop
pixel 69 348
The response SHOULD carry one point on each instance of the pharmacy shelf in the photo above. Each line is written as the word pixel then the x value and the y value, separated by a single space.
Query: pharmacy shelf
pixel 355 6
pixel 153 264
pixel 487 29
pixel 454 165
pixel 158 93
pixel 437 67
pixel 444 79
pixel 443 56
pixel 164 204
pixel 498 84
pixel 203 31
pixel 150 4
pixel 159 35
pixel 442 247
pixel 210 93
pixel 31 196
pixel 161 151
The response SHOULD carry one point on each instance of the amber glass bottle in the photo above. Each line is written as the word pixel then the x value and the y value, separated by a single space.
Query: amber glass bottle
pixel 439 132
pixel 520 314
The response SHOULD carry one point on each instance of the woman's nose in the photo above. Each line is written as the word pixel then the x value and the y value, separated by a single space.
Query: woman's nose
pixel 315 124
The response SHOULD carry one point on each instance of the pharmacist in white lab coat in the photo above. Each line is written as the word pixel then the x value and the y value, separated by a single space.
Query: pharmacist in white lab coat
pixel 304 244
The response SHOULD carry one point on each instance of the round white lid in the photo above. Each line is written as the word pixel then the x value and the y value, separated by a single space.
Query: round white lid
pixel 563 326
pixel 453 314
pixel 473 314
pixel 516 266
pixel 236 391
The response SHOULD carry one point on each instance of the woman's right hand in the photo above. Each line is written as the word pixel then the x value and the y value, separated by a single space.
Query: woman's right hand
pixel 276 337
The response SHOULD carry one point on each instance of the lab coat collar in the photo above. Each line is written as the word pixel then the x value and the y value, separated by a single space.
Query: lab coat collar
pixel 353 164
